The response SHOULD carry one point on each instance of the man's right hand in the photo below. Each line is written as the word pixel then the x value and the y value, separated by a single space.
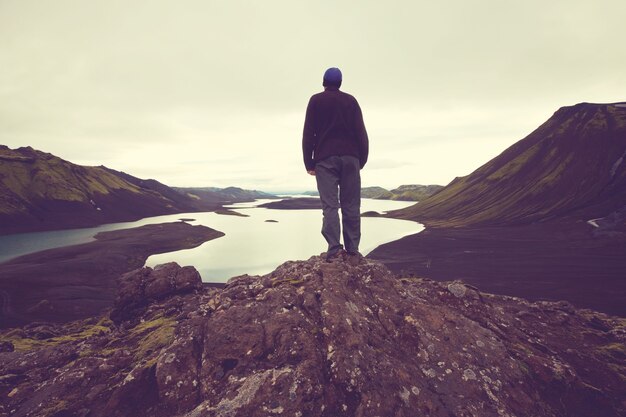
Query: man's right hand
pixel 312 172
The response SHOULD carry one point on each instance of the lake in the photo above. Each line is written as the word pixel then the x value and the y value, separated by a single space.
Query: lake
pixel 251 245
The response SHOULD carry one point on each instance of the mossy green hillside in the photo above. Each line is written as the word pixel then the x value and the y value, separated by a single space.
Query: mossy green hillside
pixel 566 165
pixel 52 178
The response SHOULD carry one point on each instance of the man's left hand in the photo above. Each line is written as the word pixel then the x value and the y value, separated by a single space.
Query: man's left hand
pixel 312 172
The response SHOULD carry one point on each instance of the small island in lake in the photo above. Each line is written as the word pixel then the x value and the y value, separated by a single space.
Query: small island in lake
pixel 299 203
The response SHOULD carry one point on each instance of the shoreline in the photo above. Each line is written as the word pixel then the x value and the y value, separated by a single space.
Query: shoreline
pixel 294 203
pixel 73 282
pixel 125 225
pixel 548 261
pixel 52 226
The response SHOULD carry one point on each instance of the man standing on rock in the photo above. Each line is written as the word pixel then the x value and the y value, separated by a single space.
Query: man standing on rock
pixel 335 148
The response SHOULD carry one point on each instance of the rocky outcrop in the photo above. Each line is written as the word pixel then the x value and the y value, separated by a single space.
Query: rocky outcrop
pixel 318 339
pixel 137 289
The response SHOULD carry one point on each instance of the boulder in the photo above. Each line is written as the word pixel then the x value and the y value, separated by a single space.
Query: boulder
pixel 138 288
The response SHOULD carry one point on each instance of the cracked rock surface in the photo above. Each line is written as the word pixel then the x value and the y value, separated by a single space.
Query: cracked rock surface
pixel 316 339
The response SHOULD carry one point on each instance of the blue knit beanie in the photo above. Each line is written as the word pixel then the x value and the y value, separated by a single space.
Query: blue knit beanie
pixel 332 77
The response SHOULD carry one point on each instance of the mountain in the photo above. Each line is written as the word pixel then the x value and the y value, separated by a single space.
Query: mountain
pixel 544 220
pixel 171 193
pixel 376 193
pixel 311 193
pixel 39 191
pixel 573 166
pixel 316 339
pixel 404 192
pixel 413 192
pixel 213 195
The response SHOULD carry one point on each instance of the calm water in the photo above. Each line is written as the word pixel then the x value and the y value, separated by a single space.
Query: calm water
pixel 251 245
pixel 12 246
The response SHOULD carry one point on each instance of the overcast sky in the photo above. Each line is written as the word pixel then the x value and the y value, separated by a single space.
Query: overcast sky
pixel 213 93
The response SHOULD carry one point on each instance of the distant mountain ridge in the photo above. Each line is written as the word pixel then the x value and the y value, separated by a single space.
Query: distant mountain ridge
pixel 410 192
pixel 222 195
pixel 573 165
pixel 40 191
pixel 377 193
pixel 168 192
pixel 414 192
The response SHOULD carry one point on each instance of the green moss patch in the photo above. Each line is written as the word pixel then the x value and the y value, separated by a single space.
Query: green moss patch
pixel 291 281
pixel 78 330
pixel 616 350
pixel 155 334
pixel 155 341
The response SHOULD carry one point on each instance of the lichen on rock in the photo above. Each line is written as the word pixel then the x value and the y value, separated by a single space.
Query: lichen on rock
pixel 318 339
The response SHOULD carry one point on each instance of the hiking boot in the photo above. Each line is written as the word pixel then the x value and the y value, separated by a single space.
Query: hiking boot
pixel 336 256
pixel 354 258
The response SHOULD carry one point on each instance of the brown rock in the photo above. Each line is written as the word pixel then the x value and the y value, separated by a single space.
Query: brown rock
pixel 140 287
pixel 6 346
pixel 324 339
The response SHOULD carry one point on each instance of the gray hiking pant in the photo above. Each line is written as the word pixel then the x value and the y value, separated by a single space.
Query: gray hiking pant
pixel 339 184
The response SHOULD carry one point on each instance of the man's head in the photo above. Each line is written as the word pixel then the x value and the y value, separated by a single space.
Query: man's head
pixel 332 78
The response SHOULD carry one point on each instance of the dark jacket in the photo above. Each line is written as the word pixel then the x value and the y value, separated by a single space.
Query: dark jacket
pixel 333 126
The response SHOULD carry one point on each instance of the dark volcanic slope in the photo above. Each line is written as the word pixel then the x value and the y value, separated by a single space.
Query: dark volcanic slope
pixel 540 262
pixel 314 339
pixel 39 191
pixel 79 281
pixel 517 225
pixel 573 165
